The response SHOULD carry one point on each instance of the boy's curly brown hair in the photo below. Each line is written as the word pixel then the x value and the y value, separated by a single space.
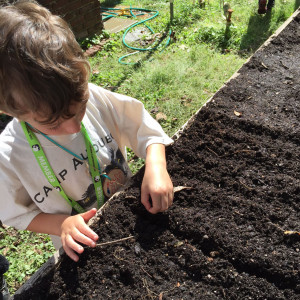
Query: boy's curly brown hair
pixel 42 67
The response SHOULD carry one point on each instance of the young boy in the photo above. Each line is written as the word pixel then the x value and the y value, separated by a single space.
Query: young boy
pixel 63 154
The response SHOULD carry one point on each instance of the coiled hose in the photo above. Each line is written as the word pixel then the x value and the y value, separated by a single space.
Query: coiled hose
pixel 110 13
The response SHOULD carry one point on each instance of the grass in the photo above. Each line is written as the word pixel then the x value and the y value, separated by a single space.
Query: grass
pixel 203 54
pixel 173 81
pixel 26 252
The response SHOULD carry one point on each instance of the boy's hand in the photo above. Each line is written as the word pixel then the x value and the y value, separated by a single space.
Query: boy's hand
pixel 74 229
pixel 157 183
pixel 71 229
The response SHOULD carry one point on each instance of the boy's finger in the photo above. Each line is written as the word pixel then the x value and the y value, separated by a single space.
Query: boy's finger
pixel 170 199
pixel 71 243
pixel 156 204
pixel 84 235
pixel 71 253
pixel 146 201
pixel 85 230
pixel 164 202
pixel 89 214
pixel 161 205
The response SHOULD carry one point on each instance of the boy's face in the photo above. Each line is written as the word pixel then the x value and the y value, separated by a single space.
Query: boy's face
pixel 61 126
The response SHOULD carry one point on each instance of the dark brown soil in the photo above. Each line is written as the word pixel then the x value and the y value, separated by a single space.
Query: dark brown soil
pixel 234 233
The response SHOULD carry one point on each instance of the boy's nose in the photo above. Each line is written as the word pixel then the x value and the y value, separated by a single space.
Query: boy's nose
pixel 72 126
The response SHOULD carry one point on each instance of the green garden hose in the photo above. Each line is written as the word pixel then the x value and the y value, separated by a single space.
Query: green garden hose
pixel 108 14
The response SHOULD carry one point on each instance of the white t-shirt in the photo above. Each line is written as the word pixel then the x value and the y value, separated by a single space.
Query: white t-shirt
pixel 113 122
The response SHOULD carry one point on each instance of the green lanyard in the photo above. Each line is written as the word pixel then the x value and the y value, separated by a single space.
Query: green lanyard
pixel 50 175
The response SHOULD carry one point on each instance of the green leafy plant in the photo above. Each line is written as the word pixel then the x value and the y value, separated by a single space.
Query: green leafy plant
pixel 93 40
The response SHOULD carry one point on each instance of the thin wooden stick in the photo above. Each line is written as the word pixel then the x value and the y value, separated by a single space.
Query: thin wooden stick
pixel 115 241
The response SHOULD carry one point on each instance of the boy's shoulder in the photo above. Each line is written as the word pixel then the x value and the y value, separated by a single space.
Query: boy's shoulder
pixel 93 88
pixel 10 138
pixel 12 132
pixel 96 92
pixel 99 93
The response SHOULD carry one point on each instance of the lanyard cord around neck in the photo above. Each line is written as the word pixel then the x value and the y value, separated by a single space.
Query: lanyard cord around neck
pixel 48 171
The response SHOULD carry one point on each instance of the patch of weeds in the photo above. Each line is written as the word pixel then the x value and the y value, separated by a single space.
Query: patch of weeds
pixel 221 37
pixel 135 163
pixel 26 252
pixel 96 39
pixel 109 79
pixel 186 13
pixel 111 46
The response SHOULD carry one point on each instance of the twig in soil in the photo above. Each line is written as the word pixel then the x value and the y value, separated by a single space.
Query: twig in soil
pixel 223 292
pixel 238 213
pixel 285 232
pixel 276 226
pixel 150 293
pixel 115 241
pixel 286 67
pixel 146 272
pixel 289 232
pixel 180 188
pixel 116 255
pixel 246 186
pixel 212 151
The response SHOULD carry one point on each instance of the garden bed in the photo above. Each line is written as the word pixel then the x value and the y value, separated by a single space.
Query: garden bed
pixel 233 232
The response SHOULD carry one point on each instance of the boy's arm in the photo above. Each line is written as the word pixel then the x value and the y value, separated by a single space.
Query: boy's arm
pixel 71 229
pixel 157 184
